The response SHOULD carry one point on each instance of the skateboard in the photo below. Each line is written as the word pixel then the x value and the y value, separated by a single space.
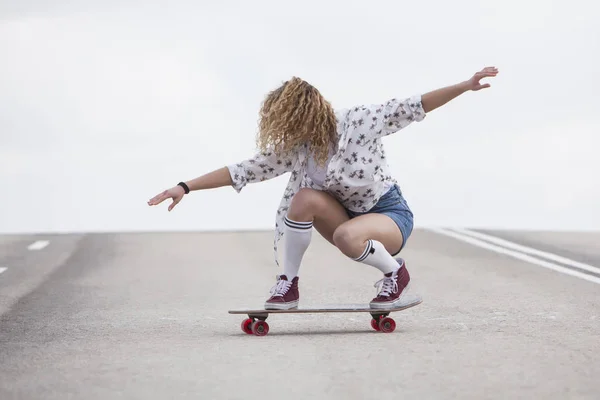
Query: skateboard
pixel 256 323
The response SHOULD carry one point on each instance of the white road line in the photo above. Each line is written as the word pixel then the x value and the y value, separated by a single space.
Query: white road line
pixel 2 269
pixel 38 245
pixel 528 250
pixel 515 254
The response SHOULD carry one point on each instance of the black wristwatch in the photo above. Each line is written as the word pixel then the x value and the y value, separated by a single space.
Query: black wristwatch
pixel 185 187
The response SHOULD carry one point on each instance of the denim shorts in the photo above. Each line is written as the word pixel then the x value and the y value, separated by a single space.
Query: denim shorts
pixel 392 204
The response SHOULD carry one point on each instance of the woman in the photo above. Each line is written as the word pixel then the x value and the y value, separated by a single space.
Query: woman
pixel 339 183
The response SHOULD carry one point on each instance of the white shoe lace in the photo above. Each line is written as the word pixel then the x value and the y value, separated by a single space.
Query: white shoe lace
pixel 281 287
pixel 388 286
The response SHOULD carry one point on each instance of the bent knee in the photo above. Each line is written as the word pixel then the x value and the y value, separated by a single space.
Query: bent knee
pixel 347 240
pixel 306 203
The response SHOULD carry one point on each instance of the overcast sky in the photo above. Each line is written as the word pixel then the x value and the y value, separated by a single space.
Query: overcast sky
pixel 104 104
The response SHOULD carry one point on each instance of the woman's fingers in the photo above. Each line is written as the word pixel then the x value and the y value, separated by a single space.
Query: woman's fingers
pixel 176 194
pixel 484 73
pixel 159 198
pixel 489 71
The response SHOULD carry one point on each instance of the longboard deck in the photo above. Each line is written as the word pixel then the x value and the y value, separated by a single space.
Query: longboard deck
pixel 410 301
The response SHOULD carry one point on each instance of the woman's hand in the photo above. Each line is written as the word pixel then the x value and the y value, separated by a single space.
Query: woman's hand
pixel 176 193
pixel 473 83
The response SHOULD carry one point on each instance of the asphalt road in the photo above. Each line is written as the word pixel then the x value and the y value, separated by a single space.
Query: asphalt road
pixel 144 316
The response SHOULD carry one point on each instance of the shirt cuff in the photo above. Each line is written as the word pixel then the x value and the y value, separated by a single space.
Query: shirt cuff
pixel 416 108
pixel 238 176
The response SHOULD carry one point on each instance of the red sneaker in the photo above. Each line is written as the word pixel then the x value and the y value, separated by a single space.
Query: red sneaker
pixel 285 294
pixel 393 286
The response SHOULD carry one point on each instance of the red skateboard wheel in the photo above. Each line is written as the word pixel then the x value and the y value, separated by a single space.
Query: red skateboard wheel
pixel 247 326
pixel 387 325
pixel 260 328
pixel 375 324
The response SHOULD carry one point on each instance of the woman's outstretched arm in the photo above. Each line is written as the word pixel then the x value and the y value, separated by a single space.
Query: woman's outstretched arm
pixel 262 166
pixel 397 114
pixel 437 98
pixel 214 179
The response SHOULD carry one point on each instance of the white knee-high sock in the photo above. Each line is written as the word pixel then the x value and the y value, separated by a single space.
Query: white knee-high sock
pixel 297 238
pixel 377 256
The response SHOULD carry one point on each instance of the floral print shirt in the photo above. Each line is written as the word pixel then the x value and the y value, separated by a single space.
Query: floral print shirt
pixel 357 173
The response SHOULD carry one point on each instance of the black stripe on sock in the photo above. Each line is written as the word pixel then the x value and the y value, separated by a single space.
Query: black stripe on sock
pixel 298 225
pixel 365 253
pixel 298 222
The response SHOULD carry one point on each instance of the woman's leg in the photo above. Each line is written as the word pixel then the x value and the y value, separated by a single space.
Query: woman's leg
pixel 372 239
pixel 309 208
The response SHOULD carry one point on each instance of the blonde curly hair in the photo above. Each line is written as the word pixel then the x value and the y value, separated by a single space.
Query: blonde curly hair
pixel 296 114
